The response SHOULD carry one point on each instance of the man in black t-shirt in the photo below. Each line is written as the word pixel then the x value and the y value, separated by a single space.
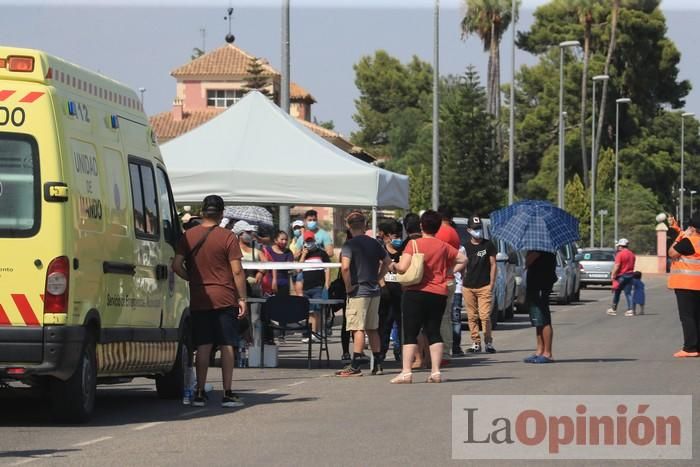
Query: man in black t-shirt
pixel 477 284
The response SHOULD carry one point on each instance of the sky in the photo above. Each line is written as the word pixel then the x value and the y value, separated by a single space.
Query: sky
pixel 140 42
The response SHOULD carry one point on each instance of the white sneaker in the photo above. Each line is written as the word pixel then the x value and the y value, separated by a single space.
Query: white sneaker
pixel 611 312
pixel 314 339
pixel 629 313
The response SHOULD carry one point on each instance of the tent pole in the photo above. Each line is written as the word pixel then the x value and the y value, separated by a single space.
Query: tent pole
pixel 284 94
pixel 374 220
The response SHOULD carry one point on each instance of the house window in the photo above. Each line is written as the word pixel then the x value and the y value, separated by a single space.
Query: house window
pixel 223 98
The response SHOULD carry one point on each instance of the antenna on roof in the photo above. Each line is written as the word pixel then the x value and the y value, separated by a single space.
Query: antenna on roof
pixel 229 14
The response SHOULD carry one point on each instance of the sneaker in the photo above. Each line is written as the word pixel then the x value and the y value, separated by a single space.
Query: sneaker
pixel 684 354
pixel 314 339
pixel 231 400
pixel 490 348
pixel 200 398
pixel 349 371
pixel 346 358
pixel 611 312
pixel 458 352
pixel 475 348
pixel 377 370
pixel 629 313
pixel 364 358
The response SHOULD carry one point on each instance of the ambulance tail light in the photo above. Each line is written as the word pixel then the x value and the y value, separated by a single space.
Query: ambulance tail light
pixel 20 63
pixel 56 291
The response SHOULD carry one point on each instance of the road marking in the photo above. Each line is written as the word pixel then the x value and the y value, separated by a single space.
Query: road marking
pixel 192 412
pixel 25 461
pixel 92 441
pixel 268 391
pixel 147 425
pixel 296 384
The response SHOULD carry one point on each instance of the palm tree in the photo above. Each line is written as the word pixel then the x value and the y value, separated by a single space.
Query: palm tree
pixel 489 19
pixel 584 11
pixel 611 49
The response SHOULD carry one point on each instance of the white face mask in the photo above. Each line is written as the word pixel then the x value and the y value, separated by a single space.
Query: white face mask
pixel 477 234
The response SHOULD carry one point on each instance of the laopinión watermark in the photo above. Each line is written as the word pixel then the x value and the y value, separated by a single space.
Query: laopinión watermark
pixel 572 427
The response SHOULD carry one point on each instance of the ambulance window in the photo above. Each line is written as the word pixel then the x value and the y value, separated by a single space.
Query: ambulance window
pixel 19 186
pixel 143 191
pixel 170 228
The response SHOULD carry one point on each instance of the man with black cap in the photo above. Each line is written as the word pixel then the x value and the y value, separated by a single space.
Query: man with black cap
pixel 209 257
pixel 477 284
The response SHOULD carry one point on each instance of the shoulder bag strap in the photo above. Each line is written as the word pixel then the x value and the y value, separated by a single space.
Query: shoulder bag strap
pixel 415 246
pixel 195 249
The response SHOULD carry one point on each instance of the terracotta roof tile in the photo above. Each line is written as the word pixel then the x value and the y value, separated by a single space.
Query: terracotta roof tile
pixel 226 60
pixel 297 92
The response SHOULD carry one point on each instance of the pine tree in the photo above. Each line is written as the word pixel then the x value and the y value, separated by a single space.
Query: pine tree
pixel 256 81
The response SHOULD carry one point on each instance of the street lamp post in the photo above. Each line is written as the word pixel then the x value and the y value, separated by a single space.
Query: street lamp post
pixel 435 196
pixel 511 117
pixel 560 185
pixel 692 192
pixel 622 100
pixel 602 212
pixel 142 90
pixel 593 157
pixel 683 115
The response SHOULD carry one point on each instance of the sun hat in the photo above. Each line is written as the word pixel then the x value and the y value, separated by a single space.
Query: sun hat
pixel 297 223
pixel 622 242
pixel 242 226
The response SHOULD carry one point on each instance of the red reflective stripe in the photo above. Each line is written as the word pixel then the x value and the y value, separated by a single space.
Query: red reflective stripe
pixel 25 309
pixel 3 316
pixel 5 94
pixel 31 97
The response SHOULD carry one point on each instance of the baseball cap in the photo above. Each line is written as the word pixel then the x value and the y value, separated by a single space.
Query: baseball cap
pixel 309 235
pixel 242 226
pixel 622 242
pixel 474 223
pixel 213 204
pixel 297 223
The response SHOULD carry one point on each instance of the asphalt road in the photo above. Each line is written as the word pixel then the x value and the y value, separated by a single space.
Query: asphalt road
pixel 295 416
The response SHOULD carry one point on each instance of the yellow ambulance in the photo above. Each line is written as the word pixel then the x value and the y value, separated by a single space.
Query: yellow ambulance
pixel 88 227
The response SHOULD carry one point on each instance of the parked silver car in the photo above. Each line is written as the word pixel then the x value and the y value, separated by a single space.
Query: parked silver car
pixel 561 290
pixel 596 266
pixel 505 289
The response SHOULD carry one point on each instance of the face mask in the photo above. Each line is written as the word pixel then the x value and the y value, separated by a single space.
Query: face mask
pixel 477 234
pixel 311 225
pixel 246 238
pixel 310 245
pixel 396 242
pixel 297 232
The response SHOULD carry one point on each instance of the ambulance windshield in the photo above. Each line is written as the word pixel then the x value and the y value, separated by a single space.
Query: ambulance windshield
pixel 19 186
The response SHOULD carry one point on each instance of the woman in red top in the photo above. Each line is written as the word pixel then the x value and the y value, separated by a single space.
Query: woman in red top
pixel 424 303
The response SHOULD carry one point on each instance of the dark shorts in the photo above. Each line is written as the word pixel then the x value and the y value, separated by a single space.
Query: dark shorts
pixel 538 308
pixel 218 327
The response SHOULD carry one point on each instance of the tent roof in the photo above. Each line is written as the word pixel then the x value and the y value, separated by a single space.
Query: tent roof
pixel 254 153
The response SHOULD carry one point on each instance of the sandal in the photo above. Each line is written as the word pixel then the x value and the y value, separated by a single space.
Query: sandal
pixel 435 378
pixel 402 378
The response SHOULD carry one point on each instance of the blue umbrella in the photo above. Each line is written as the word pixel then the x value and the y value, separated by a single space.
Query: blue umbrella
pixel 534 225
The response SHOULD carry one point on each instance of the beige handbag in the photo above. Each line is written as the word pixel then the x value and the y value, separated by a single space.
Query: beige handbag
pixel 414 273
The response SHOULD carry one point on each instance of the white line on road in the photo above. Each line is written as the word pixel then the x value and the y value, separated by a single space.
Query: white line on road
pixel 268 391
pixel 147 425
pixel 25 461
pixel 192 412
pixel 92 441
pixel 296 384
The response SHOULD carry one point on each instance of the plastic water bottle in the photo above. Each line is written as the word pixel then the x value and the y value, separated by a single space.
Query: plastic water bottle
pixel 188 390
pixel 244 356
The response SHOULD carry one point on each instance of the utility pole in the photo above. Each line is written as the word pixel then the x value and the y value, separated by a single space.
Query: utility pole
pixel 436 107
pixel 511 131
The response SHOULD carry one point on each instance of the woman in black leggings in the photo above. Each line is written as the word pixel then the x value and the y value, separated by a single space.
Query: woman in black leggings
pixel 423 304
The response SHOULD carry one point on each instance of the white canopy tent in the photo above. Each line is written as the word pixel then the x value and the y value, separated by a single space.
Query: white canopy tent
pixel 254 153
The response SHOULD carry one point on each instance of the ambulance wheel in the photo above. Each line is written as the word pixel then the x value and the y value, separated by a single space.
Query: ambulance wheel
pixel 73 400
pixel 172 384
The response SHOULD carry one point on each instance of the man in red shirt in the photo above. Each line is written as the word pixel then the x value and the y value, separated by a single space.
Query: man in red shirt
pixel 448 234
pixel 622 273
